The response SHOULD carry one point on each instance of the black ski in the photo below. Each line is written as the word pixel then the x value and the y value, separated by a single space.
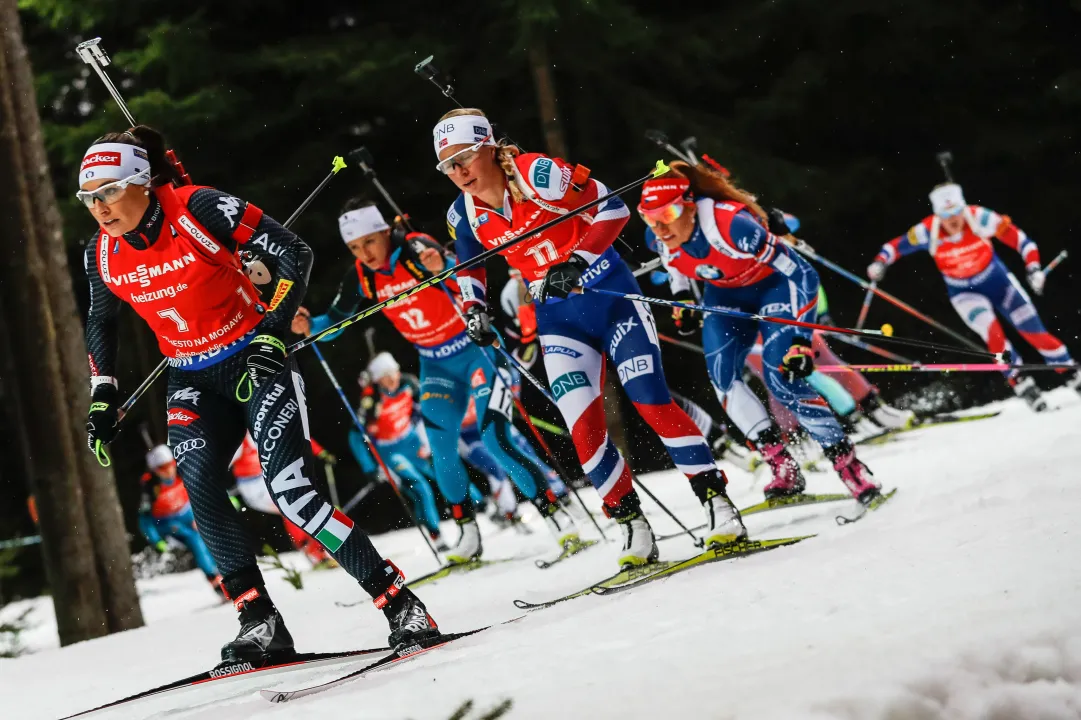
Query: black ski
pixel 877 502
pixel 235 670
pixel 409 651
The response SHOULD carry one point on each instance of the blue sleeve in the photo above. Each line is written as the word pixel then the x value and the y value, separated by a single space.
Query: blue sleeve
pixel 149 528
pixel 472 281
pixel 746 235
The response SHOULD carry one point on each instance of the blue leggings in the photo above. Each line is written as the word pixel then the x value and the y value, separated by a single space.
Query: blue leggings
pixel 182 527
pixel 728 340
pixel 473 452
pixel 415 473
pixel 446 385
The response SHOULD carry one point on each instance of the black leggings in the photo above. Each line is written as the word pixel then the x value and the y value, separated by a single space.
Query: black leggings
pixel 206 426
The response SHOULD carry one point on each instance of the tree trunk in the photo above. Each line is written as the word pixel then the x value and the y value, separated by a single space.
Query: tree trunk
pixel 541 66
pixel 54 337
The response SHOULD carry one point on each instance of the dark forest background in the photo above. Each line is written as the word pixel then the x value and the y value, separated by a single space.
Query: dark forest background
pixel 831 110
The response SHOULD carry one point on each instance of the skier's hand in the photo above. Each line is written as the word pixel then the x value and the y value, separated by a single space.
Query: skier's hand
pixel 479 326
pixel 161 546
pixel 688 321
pixel 327 457
pixel 431 259
pixel 102 421
pixel 302 322
pixel 776 223
pixel 798 362
pixel 1036 279
pixel 265 359
pixel 564 278
pixel 876 271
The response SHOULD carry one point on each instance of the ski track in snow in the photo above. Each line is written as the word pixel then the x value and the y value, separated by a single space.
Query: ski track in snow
pixel 958 599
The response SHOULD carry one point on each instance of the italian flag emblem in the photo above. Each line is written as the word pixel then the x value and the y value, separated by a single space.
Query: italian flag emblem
pixel 335 531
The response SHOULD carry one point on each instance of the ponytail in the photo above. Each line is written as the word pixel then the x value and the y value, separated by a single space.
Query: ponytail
pixel 162 170
pixel 707 182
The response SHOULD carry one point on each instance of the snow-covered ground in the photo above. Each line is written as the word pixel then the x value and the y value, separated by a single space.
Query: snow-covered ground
pixel 959 599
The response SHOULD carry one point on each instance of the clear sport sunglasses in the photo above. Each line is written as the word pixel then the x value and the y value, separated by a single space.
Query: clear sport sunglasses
pixel 111 192
pixel 462 158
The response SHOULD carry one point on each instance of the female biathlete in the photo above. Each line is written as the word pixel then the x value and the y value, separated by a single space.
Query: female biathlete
pixel 505 193
pixel 451 367
pixel 958 237
pixel 705 228
pixel 172 254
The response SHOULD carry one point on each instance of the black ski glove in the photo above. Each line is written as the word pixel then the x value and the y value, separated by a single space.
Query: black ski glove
pixel 265 359
pixel 688 321
pixel 102 422
pixel 479 326
pixel 776 223
pixel 798 362
pixel 564 278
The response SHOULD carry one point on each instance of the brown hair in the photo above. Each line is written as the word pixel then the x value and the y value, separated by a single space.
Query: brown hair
pixel 505 153
pixel 707 182
pixel 162 172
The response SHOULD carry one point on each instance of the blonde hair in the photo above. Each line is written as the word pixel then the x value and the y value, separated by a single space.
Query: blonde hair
pixel 505 153
pixel 706 182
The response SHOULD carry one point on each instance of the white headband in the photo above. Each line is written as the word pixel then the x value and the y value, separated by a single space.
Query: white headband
pixel 947 200
pixel 462 130
pixel 114 161
pixel 360 222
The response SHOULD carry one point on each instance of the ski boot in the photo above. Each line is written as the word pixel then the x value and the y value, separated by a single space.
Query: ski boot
pixel 469 547
pixel 263 638
pixel 886 416
pixel 787 476
pixel 410 623
pixel 437 541
pixel 1027 389
pixel 639 545
pixel 854 474
pixel 558 520
pixel 723 523
pixel 1074 381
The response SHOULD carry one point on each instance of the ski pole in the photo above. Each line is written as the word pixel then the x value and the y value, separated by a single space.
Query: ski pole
pixel 536 433
pixel 361 494
pixel 337 165
pixel 332 484
pixel 648 266
pixel 544 391
pixel 866 304
pixel 659 139
pixel 446 273
pixel 880 335
pixel 1056 262
pixel 545 425
pixel 804 249
pixel 941 367
pixel 375 454
pixel 881 352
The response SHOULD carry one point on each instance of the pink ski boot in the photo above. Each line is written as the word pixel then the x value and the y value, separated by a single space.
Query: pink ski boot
pixel 787 477
pixel 854 474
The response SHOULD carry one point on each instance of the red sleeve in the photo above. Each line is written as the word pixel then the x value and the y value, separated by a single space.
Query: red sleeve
pixel 608 220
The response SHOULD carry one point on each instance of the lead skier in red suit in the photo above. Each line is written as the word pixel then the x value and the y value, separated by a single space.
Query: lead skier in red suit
pixel 505 193
pixel 171 251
